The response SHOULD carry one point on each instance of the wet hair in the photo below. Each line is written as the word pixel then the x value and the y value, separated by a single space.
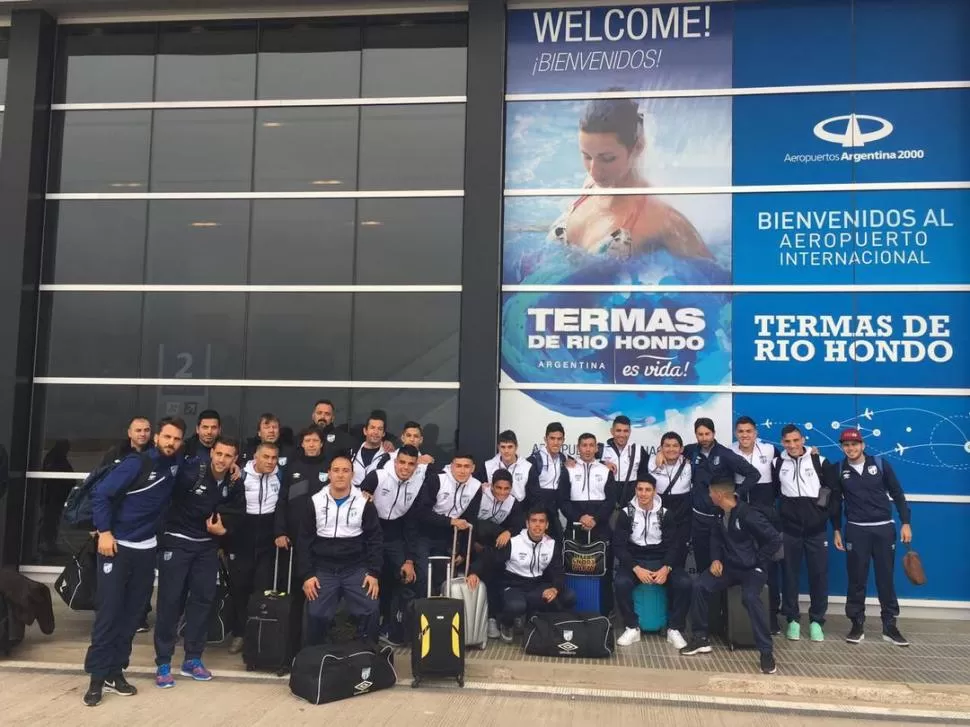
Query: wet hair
pixel 789 428
pixel 620 116
pixel 553 427
pixel 672 435
pixel 408 450
pixel 508 436
pixel 501 475
pixel 745 420
pixel 622 420
pixel 704 422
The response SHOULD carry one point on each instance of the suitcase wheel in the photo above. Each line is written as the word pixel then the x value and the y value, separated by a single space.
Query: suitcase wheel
pixel 461 680
pixel 416 682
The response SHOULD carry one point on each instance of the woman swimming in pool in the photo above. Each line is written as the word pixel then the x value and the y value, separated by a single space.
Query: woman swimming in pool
pixel 611 140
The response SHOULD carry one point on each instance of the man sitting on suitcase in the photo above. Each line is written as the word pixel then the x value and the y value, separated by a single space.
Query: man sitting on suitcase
pixel 743 543
pixel 648 541
pixel 340 553
pixel 532 575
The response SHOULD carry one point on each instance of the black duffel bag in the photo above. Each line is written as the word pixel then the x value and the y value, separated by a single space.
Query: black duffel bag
pixel 77 584
pixel 330 672
pixel 585 636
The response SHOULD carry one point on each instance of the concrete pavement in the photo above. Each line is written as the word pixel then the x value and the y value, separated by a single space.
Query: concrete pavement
pixel 32 699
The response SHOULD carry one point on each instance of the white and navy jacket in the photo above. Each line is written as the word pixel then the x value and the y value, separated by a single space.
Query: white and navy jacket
pixel 362 469
pixel 663 474
pixel 761 458
pixel 251 512
pixel 527 563
pixel 524 475
pixel 399 507
pixel 548 471
pixel 865 493
pixel 335 536
pixel 588 488
pixel 799 480
pixel 651 536
pixel 446 498
pixel 630 461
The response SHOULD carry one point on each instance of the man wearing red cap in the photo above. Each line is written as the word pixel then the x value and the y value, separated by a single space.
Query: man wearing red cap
pixel 870 534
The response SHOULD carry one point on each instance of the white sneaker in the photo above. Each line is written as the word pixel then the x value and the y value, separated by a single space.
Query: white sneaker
pixel 493 632
pixel 676 639
pixel 629 637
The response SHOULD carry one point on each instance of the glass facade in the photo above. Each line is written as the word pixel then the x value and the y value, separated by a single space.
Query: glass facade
pixel 298 182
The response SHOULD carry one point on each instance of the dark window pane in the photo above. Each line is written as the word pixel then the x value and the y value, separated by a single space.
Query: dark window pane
pixel 213 63
pixel 435 410
pixel 412 147
pixel 304 241
pixel 4 48
pixel 306 149
pixel 293 406
pixel 309 60
pixel 90 334
pixel 193 335
pixel 409 241
pixel 103 64
pixel 197 241
pixel 207 150
pixel 102 151
pixel 301 336
pixel 95 241
pixel 406 336
pixel 414 59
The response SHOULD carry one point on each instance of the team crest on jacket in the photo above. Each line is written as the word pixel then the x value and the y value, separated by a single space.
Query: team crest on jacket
pixel 153 476
pixel 107 568
pixel 282 461
pixel 331 438
pixel 716 460
pixel 872 469
pixel 174 469
pixel 323 476
pixel 167 555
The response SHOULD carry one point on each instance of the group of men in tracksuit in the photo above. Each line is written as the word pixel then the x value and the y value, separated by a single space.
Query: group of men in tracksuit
pixel 364 519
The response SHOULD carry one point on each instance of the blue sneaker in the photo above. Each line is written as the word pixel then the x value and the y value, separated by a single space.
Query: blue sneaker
pixel 163 677
pixel 195 669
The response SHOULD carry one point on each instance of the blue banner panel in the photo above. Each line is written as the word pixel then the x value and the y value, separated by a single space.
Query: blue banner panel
pixel 830 138
pixel 845 339
pixel 841 238
pixel 636 47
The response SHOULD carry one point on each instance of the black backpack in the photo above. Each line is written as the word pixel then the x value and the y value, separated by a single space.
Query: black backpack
pixel 78 508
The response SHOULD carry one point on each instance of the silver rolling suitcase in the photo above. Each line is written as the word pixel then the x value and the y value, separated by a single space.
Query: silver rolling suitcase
pixel 476 601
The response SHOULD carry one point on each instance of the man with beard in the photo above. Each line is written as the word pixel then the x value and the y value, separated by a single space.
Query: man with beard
pixel 207 431
pixel 127 506
pixel 335 441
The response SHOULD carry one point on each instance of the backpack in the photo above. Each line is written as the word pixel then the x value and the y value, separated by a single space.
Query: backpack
pixel 79 509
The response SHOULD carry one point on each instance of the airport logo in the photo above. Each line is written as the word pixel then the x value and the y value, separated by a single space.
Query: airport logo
pixel 849 133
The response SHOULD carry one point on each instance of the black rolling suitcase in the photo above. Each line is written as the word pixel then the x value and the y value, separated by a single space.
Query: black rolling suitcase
pixel 332 672
pixel 267 644
pixel 740 635
pixel 437 627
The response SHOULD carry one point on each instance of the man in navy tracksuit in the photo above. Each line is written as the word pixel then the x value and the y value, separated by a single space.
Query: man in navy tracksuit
pixel 648 541
pixel 340 554
pixel 870 534
pixel 127 505
pixel 711 461
pixel 743 542
pixel 188 566
pixel 207 430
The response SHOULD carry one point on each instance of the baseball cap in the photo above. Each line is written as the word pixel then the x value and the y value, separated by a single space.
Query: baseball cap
pixel 850 435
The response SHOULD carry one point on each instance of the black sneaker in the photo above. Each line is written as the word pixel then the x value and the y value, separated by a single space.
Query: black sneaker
pixel 768 663
pixel 857 633
pixel 119 685
pixel 891 634
pixel 94 694
pixel 143 628
pixel 696 645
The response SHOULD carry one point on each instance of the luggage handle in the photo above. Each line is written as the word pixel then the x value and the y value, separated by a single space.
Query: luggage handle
pixel 589 533
pixel 449 572
pixel 276 571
